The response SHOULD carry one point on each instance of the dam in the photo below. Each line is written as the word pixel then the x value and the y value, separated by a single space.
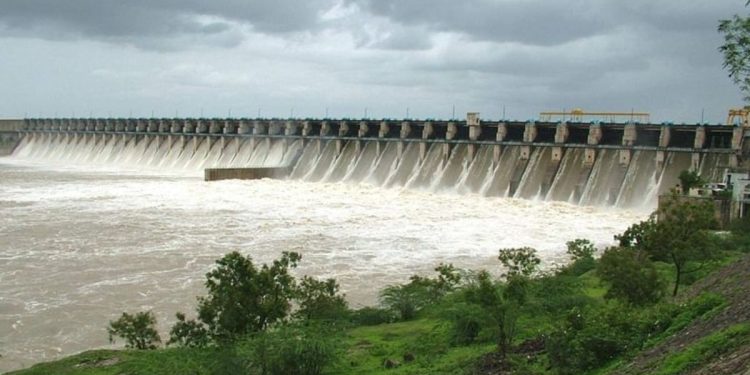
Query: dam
pixel 625 164
pixel 101 216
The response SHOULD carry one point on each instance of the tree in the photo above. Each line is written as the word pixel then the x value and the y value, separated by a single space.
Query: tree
pixel 580 249
pixel 188 333
pixel 406 299
pixel 736 50
pixel 519 261
pixel 689 180
pixel 680 235
pixel 319 300
pixel 631 276
pixel 138 330
pixel 243 298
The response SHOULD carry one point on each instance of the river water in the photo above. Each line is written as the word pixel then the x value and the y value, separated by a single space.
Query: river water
pixel 78 246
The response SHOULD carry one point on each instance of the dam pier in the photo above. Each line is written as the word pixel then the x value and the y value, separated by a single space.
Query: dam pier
pixel 599 163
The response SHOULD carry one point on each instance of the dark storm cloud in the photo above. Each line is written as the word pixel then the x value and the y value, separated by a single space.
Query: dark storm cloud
pixel 137 21
pixel 538 22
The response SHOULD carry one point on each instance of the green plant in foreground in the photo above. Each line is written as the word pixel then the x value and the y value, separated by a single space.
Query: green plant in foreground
pixel 138 330
pixel 631 276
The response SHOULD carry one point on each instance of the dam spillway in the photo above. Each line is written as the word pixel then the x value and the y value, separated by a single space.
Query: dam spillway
pixel 600 164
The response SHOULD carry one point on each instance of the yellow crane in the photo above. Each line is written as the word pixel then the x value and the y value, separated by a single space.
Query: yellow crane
pixel 739 116
pixel 578 114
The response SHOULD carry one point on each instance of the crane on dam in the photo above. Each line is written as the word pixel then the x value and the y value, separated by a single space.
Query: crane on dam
pixel 579 115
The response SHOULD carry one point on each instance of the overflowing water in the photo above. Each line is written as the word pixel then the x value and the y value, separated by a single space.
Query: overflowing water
pixel 94 226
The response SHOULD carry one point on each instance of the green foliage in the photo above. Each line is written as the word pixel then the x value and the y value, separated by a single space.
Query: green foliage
pixel 580 249
pixel 680 236
pixel 556 294
pixel 637 235
pixel 631 276
pixel 592 337
pixel 407 299
pixel 244 299
pixel 501 305
pixel 702 306
pixel 138 330
pixel 467 321
pixel 188 333
pixel 736 51
pixel 690 179
pixel 291 349
pixel 371 316
pixel 519 261
pixel 706 349
pixel 319 300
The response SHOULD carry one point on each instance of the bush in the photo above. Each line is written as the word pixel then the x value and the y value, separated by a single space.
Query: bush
pixel 580 249
pixel 519 261
pixel 188 333
pixel 291 349
pixel 319 300
pixel 591 337
pixel 405 300
pixel 631 276
pixel 467 321
pixel 371 316
pixel 138 330
pixel 556 294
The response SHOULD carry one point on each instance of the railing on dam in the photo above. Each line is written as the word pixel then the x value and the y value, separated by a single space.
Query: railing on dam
pixel 626 137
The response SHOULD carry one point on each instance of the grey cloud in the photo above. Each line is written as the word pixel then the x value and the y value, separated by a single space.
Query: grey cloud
pixel 150 23
pixel 529 22
pixel 539 22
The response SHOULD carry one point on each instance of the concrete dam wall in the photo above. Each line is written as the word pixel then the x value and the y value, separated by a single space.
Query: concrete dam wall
pixel 601 164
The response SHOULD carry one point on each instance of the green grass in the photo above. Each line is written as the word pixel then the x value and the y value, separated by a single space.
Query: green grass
pixel 366 350
pixel 705 350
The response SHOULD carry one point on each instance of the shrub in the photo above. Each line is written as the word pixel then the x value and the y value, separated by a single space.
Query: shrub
pixel 580 249
pixel 591 337
pixel 405 300
pixel 188 333
pixel 519 261
pixel 138 330
pixel 467 321
pixel 631 276
pixel 291 349
pixel 371 316
pixel 319 300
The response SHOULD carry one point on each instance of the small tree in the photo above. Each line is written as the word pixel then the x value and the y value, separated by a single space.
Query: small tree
pixel 243 298
pixel 188 333
pixel 499 306
pixel 319 300
pixel 631 276
pixel 406 299
pixel 689 180
pixel 138 330
pixel 681 235
pixel 580 249
pixel 519 261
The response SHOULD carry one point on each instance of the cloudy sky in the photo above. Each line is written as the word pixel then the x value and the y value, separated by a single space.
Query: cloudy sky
pixel 305 57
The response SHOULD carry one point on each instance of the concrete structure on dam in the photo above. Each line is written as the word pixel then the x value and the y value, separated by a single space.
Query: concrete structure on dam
pixel 526 159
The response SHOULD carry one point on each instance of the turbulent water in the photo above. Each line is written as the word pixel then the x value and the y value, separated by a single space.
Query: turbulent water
pixel 87 235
